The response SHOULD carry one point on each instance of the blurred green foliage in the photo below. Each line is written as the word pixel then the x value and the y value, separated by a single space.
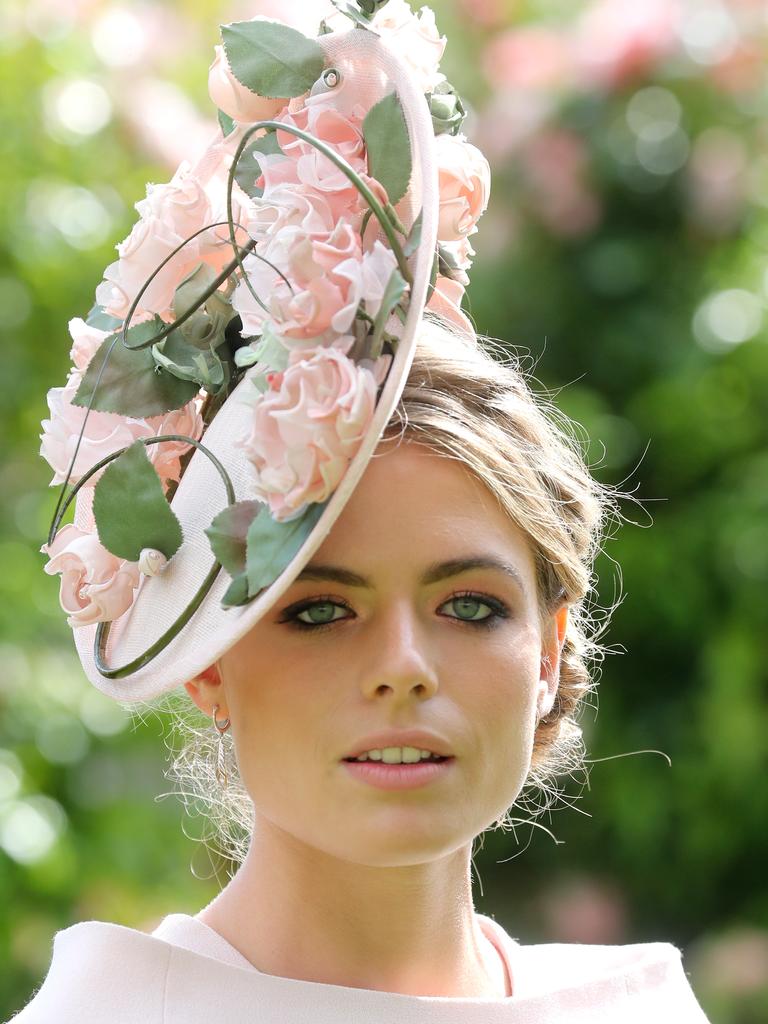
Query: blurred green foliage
pixel 640 294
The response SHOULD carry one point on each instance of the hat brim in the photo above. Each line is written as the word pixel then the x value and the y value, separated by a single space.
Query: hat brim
pixel 200 496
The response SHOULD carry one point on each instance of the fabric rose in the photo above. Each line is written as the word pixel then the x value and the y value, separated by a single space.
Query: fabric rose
pixel 96 586
pixel 107 432
pixel 306 429
pixel 86 341
pixel 465 183
pixel 413 37
pixel 170 213
pixel 446 301
pixel 236 99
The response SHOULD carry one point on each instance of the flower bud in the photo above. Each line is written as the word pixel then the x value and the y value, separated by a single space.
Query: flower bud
pixel 234 98
pixel 447 110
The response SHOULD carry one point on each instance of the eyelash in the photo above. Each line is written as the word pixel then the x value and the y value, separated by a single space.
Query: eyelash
pixel 498 611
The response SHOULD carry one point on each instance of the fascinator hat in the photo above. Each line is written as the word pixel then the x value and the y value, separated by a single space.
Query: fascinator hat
pixel 248 347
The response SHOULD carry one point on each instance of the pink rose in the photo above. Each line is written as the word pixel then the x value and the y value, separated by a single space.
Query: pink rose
pixel 234 98
pixel 465 184
pixel 107 432
pixel 165 457
pixel 413 37
pixel 306 429
pixel 96 586
pixel 446 300
pixel 86 341
pixel 170 213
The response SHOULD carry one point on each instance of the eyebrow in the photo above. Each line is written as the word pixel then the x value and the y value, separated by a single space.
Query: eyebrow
pixel 433 573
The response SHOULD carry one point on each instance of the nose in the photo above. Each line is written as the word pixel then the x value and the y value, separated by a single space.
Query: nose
pixel 399 662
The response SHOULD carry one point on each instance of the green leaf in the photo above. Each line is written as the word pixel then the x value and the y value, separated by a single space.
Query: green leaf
pixel 352 12
pixel 272 545
pixel 101 320
pixel 131 510
pixel 237 592
pixel 272 59
pixel 226 123
pixel 228 533
pixel 248 167
pixel 389 146
pixel 132 384
pixel 189 363
pixel 413 240
pixel 396 286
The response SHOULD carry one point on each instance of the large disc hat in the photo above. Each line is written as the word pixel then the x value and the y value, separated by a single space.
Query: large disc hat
pixel 253 339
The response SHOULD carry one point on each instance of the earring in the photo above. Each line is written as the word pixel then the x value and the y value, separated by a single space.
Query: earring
pixel 221 728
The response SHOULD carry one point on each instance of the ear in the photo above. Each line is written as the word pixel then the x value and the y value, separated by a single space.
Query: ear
pixel 206 690
pixel 551 649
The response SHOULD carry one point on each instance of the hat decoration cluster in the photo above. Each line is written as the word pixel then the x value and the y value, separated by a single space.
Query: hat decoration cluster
pixel 280 258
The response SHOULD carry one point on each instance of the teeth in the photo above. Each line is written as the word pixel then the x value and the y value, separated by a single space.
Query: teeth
pixel 395 755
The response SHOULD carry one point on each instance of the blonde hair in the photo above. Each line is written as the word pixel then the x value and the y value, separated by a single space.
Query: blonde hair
pixel 469 398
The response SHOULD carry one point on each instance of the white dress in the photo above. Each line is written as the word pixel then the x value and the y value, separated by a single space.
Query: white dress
pixel 186 973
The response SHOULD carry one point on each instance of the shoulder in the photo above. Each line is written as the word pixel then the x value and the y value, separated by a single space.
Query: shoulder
pixel 101 971
pixel 645 974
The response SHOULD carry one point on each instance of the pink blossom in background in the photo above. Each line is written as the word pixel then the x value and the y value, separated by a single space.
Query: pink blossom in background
pixel 529 57
pixel 307 428
pixel 717 180
pixel 735 961
pixel 554 163
pixel 585 910
pixel 744 69
pixel 616 41
pixel 96 586
pixel 488 13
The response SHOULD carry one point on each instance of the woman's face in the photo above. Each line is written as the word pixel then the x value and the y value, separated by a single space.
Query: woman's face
pixel 462 656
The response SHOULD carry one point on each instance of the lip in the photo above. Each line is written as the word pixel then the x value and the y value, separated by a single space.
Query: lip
pixel 398 776
pixel 422 739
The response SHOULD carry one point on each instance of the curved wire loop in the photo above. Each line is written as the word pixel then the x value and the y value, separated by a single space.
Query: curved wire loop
pixel 102 631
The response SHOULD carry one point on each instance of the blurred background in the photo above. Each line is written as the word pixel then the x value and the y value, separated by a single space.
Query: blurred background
pixel 625 251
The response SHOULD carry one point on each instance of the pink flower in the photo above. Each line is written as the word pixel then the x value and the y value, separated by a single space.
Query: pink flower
pixel 165 457
pixel 307 428
pixel 465 184
pixel 303 15
pixel 329 277
pixel 170 213
pixel 86 342
pixel 234 98
pixel 107 432
pixel 96 586
pixel 446 300
pixel 413 37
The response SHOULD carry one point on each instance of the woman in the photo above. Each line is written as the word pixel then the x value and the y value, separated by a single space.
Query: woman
pixel 400 642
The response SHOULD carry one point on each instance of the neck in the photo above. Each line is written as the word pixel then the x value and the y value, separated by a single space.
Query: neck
pixel 295 912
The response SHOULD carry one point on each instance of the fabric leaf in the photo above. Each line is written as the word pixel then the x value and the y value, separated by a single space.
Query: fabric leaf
pixel 389 146
pixel 272 545
pixel 131 384
pixel 272 59
pixel 228 532
pixel 131 509
pixel 248 169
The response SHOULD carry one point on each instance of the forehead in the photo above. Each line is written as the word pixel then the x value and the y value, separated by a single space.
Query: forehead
pixel 416 505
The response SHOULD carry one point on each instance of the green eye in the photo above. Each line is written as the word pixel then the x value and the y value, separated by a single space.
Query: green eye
pixel 319 613
pixel 470 606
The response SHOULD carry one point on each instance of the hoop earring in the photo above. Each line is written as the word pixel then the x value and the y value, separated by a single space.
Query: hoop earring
pixel 221 768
